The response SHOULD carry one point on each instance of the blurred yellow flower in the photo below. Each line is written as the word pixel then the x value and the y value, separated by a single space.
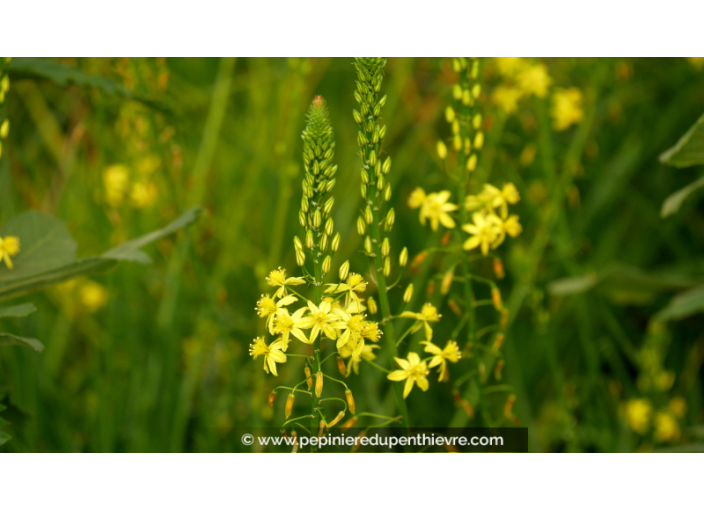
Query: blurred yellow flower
pixel 413 371
pixel 5 128
pixel 116 181
pixel 272 353
pixel 506 98
pixel 534 80
pixel 144 194
pixel 451 353
pixel 638 413
pixel 417 198
pixel 367 353
pixel 427 314
pixel 666 427
pixel 678 406
pixel 436 208
pixel 509 66
pixel 484 231
pixel 93 296
pixel 9 247
pixel 566 108
pixel 697 62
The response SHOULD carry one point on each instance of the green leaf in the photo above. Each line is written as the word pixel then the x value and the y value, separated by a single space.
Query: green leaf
pixel 22 310
pixel 48 254
pixel 673 203
pixel 689 150
pixel 9 339
pixel 683 305
pixel 39 68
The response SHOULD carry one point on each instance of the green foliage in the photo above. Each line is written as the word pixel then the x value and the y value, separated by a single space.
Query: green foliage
pixel 689 150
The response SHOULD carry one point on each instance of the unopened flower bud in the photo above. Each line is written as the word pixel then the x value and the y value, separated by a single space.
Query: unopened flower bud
pixel 479 140
pixel 300 257
pixel 318 384
pixel 335 242
pixel 317 218
pixel 344 270
pixel 387 266
pixel 496 299
pixel 390 218
pixel 449 114
pixel 382 101
pixel 477 121
pixel 419 259
pixel 408 295
pixel 289 405
pixel 497 370
pixel 442 149
pixel 350 401
pixel 476 90
pixel 310 240
pixel 368 215
pixel 472 163
pixel 341 365
pixel 446 282
pixel 309 379
pixel 368 245
pixel 385 247
pixel 382 131
pixel 380 182
pixel 272 397
pixel 297 243
pixel 304 204
pixel 457 142
pixel 387 165
pixel 403 258
pixel 302 218
pixel 328 205
pixel 361 226
pixel 457 92
pixel 357 117
pixel 387 192
pixel 326 264
pixel 323 242
pixel 329 226
pixel 330 185
pixel 498 268
pixel 372 158
pixel 334 422
pixel 371 305
pixel 349 423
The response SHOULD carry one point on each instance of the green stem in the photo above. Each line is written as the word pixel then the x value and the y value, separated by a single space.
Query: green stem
pixel 389 331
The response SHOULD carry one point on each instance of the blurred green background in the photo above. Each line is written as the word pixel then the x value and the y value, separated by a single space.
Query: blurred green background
pixel 156 358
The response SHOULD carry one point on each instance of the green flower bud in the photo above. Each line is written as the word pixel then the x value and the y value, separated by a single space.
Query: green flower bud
pixel 302 218
pixel 390 218
pixel 304 204
pixel 328 205
pixel 297 243
pixel 363 189
pixel 472 163
pixel 371 305
pixel 403 258
pixel 457 92
pixel 317 218
pixel 329 225
pixel 361 226
pixel 300 257
pixel 477 121
pixel 382 101
pixel 479 140
pixel 408 295
pixel 385 247
pixel 344 270
pixel 365 176
pixel 368 245
pixel 449 114
pixel 357 117
pixel 372 158
pixel 324 242
pixel 476 90
pixel 387 192
pixel 331 185
pixel 310 240
pixel 387 266
pixel 387 166
pixel 442 149
pixel 335 242
pixel 382 132
pixel 326 264
pixel 368 215
pixel 380 182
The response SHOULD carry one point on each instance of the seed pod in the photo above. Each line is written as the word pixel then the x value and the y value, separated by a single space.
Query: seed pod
pixel 344 270
pixel 387 266
pixel 368 215
pixel 317 218
pixel 309 379
pixel 302 218
pixel 272 397
pixel 385 247
pixel 289 405
pixel 339 416
pixel 328 205
pixel 329 226
pixel 310 240
pixel 371 305
pixel 386 168
pixel 326 264
pixel 318 384
pixel 368 245
pixel 387 192
pixel 403 258
pixel 361 226
pixel 335 242
pixel 323 242
pixel 297 243
pixel 300 257
pixel 341 365
pixel 442 149
pixel 350 401
pixel 408 295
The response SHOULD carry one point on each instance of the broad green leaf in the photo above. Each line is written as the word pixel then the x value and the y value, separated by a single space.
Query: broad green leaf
pixel 22 310
pixel 673 203
pixel 573 285
pixel 689 150
pixel 50 69
pixel 9 339
pixel 47 242
pixel 683 305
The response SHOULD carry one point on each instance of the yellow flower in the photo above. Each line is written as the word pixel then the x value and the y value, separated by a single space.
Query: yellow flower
pixel 638 411
pixel 666 427
pixel 272 353
pixel 697 62
pixel 435 207
pixel 371 331
pixel 509 66
pixel 451 353
pixel 267 307
pixel 509 226
pixel 144 195
pixel 9 247
pixel 427 314
pixel 566 108
pixel 367 353
pixel 93 296
pixel 417 198
pixel 413 371
pixel 484 230
pixel 352 326
pixel 116 181
pixel 322 320
pixel 277 278
pixel 534 79
pixel 506 98
pixel 354 283
pixel 293 324
pixel 678 406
